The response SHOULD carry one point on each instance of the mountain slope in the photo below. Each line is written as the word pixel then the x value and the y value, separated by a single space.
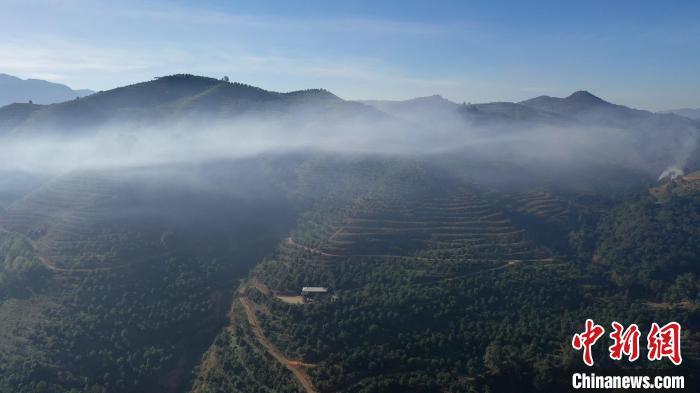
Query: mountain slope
pixel 421 283
pixel 179 97
pixel 14 114
pixel 13 89
pixel 140 268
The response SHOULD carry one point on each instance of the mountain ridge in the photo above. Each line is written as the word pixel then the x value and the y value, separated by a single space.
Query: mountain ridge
pixel 17 90
pixel 185 96
pixel 169 98
pixel 586 107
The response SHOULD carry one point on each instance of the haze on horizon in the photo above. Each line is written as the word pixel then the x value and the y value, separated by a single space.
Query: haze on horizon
pixel 641 54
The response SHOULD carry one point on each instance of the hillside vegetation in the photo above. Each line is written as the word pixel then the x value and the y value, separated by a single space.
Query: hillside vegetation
pixel 449 288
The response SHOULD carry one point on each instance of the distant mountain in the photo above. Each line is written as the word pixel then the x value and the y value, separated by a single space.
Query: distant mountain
pixel 424 110
pixel 514 112
pixel 577 102
pixel 434 102
pixel 193 103
pixel 686 112
pixel 586 107
pixel 421 110
pixel 177 97
pixel 13 89
pixel 592 110
pixel 655 136
pixel 660 138
pixel 581 107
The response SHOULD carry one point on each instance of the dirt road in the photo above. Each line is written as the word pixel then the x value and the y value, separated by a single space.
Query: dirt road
pixel 295 366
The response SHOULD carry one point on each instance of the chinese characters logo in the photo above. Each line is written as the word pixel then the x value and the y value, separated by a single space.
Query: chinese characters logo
pixel 662 342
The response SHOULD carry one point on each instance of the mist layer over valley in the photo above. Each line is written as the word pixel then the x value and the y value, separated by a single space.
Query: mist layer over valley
pixel 188 119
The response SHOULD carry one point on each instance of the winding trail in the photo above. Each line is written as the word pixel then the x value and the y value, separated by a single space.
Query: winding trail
pixel 336 233
pixel 295 366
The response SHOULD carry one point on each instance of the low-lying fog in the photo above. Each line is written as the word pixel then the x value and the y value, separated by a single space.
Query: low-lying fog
pixel 192 141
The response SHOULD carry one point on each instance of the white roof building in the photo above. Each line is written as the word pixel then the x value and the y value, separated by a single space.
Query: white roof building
pixel 314 290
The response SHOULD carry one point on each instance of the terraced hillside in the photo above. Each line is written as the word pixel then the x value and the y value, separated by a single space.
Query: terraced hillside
pixel 451 289
pixel 541 204
pixel 363 252
pixel 83 221
pixel 461 224
pixel 435 283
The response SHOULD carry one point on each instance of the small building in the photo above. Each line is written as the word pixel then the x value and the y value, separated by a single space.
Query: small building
pixel 309 290
pixel 313 293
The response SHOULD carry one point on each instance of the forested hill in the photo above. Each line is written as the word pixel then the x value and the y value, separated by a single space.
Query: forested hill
pixel 458 289
pixel 171 99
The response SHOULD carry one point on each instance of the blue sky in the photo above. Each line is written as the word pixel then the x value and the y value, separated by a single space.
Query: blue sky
pixel 638 53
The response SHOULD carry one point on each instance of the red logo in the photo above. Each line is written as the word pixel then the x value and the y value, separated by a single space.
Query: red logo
pixel 665 342
pixel 626 341
pixel 662 342
pixel 587 339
